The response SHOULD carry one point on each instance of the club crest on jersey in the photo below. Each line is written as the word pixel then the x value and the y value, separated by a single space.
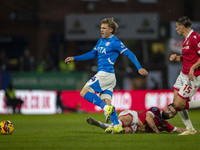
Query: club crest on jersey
pixel 154 108
pixel 107 43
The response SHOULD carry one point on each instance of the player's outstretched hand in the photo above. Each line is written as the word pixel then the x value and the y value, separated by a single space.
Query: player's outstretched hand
pixel 69 59
pixel 143 72
pixel 191 74
pixel 172 57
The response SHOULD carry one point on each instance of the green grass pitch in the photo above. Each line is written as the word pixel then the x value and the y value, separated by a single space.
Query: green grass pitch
pixel 71 132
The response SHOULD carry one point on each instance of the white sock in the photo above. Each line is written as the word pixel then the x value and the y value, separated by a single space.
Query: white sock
pixel 186 119
pixel 194 104
pixel 106 124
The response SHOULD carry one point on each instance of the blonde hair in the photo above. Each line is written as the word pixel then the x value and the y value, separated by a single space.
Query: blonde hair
pixel 111 23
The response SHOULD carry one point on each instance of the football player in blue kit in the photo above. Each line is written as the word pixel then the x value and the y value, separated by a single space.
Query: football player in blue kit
pixel 106 50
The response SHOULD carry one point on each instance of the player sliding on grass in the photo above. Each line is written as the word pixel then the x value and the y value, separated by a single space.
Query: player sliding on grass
pixel 188 80
pixel 106 50
pixel 152 120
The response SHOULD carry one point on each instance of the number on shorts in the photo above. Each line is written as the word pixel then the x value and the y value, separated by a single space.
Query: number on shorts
pixel 187 88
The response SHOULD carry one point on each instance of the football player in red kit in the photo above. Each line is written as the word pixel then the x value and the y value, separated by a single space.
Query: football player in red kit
pixel 152 120
pixel 188 80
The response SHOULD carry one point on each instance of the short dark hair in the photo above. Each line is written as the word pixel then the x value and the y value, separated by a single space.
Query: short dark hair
pixel 171 104
pixel 184 20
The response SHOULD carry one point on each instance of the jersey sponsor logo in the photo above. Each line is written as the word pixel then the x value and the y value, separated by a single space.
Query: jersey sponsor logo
pixel 107 43
pixel 101 50
pixel 154 108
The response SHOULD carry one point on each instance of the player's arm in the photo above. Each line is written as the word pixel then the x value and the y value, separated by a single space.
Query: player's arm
pixel 191 73
pixel 175 57
pixel 151 123
pixel 87 56
pixel 196 65
pixel 196 44
pixel 135 61
pixel 119 46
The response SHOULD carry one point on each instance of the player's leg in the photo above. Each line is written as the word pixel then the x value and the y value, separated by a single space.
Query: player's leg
pixel 129 118
pixel 109 128
pixel 107 82
pixel 195 84
pixel 92 121
pixel 106 96
pixel 122 127
pixel 88 93
pixel 107 99
pixel 117 127
pixel 186 119
pixel 179 102
pixel 182 93
pixel 128 130
pixel 187 90
pixel 92 98
pixel 182 105
pixel 125 120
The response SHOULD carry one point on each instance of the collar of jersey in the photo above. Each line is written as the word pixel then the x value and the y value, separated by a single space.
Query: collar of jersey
pixel 189 34
pixel 109 39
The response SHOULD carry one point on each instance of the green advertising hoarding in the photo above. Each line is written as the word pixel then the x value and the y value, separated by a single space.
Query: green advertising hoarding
pixel 50 81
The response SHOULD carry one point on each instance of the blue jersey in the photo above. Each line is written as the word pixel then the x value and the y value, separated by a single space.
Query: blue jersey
pixel 107 50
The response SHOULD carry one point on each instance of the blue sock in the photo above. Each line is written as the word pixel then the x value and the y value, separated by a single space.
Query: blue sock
pixel 114 118
pixel 93 98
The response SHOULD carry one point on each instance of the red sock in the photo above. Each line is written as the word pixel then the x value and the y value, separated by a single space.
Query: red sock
pixel 186 105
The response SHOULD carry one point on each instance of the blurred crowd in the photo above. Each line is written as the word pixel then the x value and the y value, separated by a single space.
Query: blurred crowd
pixel 28 63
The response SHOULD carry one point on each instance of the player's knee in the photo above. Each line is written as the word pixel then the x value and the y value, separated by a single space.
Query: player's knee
pixel 179 105
pixel 107 101
pixel 82 93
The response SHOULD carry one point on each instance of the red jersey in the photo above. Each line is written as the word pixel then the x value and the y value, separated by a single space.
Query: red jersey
pixel 191 52
pixel 160 123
